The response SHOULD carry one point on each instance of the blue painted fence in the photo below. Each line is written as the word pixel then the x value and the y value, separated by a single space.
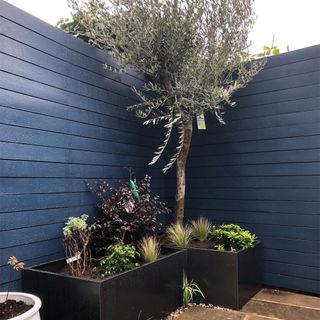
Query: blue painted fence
pixel 262 169
pixel 63 120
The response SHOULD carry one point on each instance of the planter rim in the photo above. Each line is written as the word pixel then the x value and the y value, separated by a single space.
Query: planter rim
pixel 208 249
pixel 30 312
pixel 100 281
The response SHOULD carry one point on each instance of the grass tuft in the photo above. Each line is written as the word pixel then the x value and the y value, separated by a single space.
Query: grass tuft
pixel 201 229
pixel 179 235
pixel 149 248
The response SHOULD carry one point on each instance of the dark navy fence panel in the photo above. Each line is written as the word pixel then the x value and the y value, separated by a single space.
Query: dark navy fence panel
pixel 63 120
pixel 262 169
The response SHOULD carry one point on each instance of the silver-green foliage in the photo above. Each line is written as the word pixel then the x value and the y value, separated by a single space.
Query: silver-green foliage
pixel 191 51
pixel 75 224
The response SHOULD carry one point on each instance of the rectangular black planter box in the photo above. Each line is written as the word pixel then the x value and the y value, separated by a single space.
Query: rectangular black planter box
pixel 227 279
pixel 150 291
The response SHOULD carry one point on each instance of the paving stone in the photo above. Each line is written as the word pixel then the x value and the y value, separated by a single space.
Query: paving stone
pixel 284 305
pixel 200 313
pixel 268 304
pixel 287 297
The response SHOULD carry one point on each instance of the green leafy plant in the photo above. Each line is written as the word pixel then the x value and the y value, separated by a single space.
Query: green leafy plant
pixel 179 235
pixel 219 247
pixel 266 52
pixel 232 237
pixel 120 257
pixel 76 243
pixel 189 290
pixel 149 248
pixel 201 229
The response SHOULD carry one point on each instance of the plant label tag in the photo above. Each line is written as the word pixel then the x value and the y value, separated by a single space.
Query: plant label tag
pixel 74 258
pixel 201 122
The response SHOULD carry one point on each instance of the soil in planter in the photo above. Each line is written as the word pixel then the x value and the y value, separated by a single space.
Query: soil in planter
pixel 63 269
pixel 13 308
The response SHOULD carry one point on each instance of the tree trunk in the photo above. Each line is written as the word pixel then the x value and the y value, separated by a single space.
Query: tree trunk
pixel 181 172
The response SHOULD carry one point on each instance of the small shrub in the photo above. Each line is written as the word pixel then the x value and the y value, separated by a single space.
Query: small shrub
pixel 179 235
pixel 189 290
pixel 201 229
pixel 120 257
pixel 232 237
pixel 126 213
pixel 150 249
pixel 76 243
pixel 15 265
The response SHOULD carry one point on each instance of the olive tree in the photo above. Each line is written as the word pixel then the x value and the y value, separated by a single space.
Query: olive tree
pixel 192 53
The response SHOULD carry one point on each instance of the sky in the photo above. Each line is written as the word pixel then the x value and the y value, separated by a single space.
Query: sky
pixel 292 23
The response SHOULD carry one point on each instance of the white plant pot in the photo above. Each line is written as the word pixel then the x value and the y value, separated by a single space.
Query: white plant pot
pixel 31 314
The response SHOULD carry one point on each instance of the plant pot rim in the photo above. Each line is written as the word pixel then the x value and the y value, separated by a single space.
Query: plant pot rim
pixel 209 249
pixel 30 312
pixel 100 281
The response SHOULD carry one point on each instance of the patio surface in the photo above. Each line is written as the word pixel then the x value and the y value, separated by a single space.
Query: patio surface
pixel 268 304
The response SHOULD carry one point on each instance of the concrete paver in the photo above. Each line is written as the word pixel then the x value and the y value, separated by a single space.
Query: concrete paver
pixel 200 313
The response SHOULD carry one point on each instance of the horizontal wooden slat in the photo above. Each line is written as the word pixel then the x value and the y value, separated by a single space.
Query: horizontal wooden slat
pixel 284 95
pixel 58 185
pixel 62 46
pixel 291 69
pixel 274 157
pixel 274 84
pixel 254 194
pixel 298 207
pixel 260 111
pixel 292 270
pixel 260 170
pixel 255 217
pixel 49 62
pixel 291 282
pixel 33 250
pixel 91 113
pixel 217 137
pixel 254 182
pixel 24 219
pixel 293 56
pixel 13 168
pixel 276 122
pixel 40 75
pixel 14 151
pixel 33 234
pixel 281 144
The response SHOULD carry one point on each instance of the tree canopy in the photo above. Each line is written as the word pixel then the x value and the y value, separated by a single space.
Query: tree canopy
pixel 192 52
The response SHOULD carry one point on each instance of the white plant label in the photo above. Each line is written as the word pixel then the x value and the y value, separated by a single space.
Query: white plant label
pixel 74 258
pixel 201 122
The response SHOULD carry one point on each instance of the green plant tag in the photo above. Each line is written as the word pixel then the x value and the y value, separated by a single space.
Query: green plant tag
pixel 134 190
pixel 201 122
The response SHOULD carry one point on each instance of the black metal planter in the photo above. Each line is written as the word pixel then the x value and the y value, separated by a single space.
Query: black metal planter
pixel 150 291
pixel 227 279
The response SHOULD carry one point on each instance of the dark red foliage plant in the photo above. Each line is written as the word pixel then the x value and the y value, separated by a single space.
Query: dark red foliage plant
pixel 124 215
